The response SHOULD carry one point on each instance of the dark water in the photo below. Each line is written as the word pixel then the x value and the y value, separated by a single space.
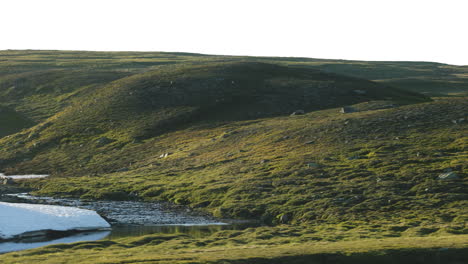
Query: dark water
pixel 130 212
pixel 38 242
pixel 128 219
pixel 119 232
pixel 196 231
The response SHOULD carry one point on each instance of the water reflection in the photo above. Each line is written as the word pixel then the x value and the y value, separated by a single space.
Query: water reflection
pixel 130 219
pixel 196 231
pixel 22 245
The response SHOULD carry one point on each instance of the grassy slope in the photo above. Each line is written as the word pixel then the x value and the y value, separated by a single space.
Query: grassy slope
pixel 40 84
pixel 148 104
pixel 423 77
pixel 298 249
pixel 11 121
pixel 373 172
pixel 380 164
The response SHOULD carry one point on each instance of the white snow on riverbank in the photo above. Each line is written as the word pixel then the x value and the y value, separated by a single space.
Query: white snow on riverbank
pixel 17 218
pixel 22 177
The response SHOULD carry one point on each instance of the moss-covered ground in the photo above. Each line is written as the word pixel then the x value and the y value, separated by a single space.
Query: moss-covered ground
pixel 273 245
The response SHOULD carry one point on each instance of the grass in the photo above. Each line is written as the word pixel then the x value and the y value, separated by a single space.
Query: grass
pixel 251 246
pixel 261 169
pixel 11 121
pixel 360 186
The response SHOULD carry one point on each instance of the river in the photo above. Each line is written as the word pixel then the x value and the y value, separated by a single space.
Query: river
pixel 128 219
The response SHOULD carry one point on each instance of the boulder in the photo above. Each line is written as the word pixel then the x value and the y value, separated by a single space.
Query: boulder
pixel 298 112
pixel 283 218
pixel 122 169
pixel 164 155
pixel 104 141
pixel 33 135
pixel 448 176
pixel 313 165
pixel 347 109
pixel 458 121
pixel 6 181
pixel 360 92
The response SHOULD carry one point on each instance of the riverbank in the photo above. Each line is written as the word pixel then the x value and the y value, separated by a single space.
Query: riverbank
pixel 128 219
pixel 347 242
pixel 252 246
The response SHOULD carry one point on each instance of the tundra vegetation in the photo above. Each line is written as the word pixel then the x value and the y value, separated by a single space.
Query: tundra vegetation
pixel 341 161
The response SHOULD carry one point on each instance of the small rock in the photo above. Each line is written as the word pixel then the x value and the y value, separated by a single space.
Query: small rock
pixel 104 141
pixel 6 181
pixel 33 135
pixel 360 92
pixel 284 218
pixel 228 134
pixel 164 155
pixel 313 165
pixel 298 112
pixel 347 109
pixel 448 176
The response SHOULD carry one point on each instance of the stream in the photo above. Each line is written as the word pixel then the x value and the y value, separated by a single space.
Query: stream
pixel 128 219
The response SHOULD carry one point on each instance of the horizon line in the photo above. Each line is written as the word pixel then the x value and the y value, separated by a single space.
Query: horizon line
pixel 236 55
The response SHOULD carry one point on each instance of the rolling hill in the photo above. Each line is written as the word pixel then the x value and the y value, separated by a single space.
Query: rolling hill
pixel 246 138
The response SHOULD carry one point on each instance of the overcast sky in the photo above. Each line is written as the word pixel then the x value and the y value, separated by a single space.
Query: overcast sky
pixel 416 30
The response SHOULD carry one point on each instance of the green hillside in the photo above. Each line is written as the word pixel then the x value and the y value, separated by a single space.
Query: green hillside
pixel 423 77
pixel 11 121
pixel 218 134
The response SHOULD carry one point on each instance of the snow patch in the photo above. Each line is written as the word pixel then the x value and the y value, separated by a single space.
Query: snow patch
pixel 17 219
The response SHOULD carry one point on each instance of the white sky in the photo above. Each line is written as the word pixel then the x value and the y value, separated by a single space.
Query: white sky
pixel 422 30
